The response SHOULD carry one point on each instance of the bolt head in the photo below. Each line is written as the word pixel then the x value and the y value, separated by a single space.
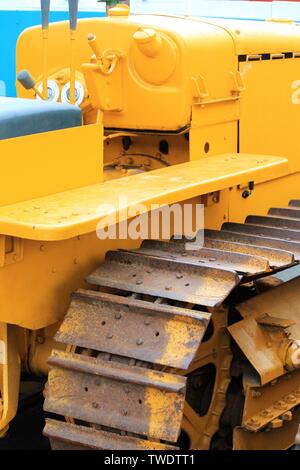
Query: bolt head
pixel 276 423
pixel 287 416
pixel 291 399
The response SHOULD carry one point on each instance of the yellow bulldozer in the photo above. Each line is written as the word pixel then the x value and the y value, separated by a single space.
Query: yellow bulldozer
pixel 153 343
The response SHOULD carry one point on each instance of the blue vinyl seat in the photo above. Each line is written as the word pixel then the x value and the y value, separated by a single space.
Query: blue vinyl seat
pixel 19 117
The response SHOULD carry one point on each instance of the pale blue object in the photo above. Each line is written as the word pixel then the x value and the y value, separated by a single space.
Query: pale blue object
pixel 19 117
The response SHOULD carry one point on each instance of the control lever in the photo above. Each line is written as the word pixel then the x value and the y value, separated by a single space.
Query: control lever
pixel 28 82
pixel 92 41
pixel 73 14
pixel 45 10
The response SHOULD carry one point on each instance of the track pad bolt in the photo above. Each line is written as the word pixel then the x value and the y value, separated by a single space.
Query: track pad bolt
pixel 276 423
pixel 287 416
pixel 291 399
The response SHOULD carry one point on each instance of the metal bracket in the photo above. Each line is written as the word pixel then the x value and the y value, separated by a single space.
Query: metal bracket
pixel 201 93
pixel 211 198
pixel 10 367
pixel 104 81
pixel 11 250
pixel 276 322
pixel 238 83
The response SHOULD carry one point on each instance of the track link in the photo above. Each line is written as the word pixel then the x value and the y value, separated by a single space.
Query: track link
pixel 121 381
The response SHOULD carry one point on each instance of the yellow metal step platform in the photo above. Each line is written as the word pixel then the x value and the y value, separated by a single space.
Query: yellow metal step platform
pixel 75 212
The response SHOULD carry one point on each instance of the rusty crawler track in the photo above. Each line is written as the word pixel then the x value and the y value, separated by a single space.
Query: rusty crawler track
pixel 121 384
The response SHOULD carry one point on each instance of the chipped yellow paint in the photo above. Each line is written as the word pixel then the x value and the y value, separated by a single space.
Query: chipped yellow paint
pixel 157 403
pixel 182 337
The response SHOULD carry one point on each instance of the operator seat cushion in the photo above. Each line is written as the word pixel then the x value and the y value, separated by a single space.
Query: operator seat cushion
pixel 19 117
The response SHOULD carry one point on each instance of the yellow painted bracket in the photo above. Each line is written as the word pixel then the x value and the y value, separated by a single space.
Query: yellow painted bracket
pixel 76 212
pixel 10 369
pixel 281 308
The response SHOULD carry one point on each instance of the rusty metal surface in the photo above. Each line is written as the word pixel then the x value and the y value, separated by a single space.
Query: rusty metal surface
pixel 112 383
pixel 117 371
pixel 261 335
pixel 289 212
pixel 272 401
pixel 262 231
pixel 276 222
pixel 294 203
pixel 212 257
pixel 115 395
pixel 164 278
pixel 268 320
pixel 281 438
pixel 76 437
pixel 276 258
pixel 152 332
pixel 281 302
pixel 259 241
pixel 254 342
pixel 216 351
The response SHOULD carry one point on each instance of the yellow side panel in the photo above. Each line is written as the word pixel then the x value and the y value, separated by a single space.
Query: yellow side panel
pixel 270 109
pixel 35 292
pixel 212 139
pixel 255 37
pixel 275 193
pixel 41 164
